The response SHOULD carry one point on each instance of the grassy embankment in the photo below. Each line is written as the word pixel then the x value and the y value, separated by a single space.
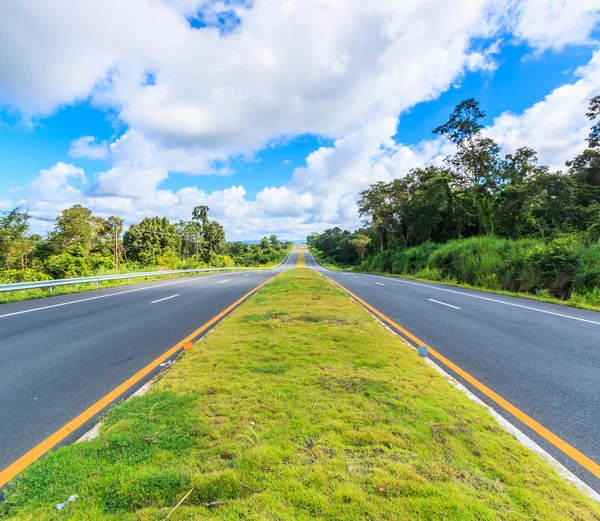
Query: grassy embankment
pixel 30 294
pixel 563 271
pixel 299 405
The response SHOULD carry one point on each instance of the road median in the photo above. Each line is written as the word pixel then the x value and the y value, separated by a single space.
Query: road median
pixel 299 405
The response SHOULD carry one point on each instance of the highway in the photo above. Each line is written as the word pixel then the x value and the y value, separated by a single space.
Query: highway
pixel 60 355
pixel 543 358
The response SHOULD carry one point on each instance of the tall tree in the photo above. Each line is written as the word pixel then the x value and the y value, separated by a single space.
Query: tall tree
pixel 151 237
pixel 73 226
pixel 373 203
pixel 476 162
pixel 593 113
pixel 14 242
pixel 214 239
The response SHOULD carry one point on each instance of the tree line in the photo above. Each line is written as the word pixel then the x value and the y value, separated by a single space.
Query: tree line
pixel 82 244
pixel 477 193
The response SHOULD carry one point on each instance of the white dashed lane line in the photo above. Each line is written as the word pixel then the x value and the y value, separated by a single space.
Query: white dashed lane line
pixel 166 298
pixel 443 303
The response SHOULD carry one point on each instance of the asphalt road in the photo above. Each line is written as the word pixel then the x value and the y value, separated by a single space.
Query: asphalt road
pixel 543 358
pixel 60 355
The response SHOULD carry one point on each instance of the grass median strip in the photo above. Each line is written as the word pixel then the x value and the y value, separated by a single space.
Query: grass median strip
pixel 299 405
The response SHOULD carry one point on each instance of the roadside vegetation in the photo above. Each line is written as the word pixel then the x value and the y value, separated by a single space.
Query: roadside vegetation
pixel 503 223
pixel 299 405
pixel 82 244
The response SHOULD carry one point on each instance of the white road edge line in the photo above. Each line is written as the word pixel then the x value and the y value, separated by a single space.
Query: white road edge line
pixel 166 298
pixel 490 300
pixel 380 283
pixel 443 303
pixel 221 282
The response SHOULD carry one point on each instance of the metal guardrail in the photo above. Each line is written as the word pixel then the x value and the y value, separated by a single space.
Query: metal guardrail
pixel 86 280
pixel 42 284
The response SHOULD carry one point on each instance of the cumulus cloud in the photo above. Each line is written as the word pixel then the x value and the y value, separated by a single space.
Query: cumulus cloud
pixel 556 126
pixel 192 96
pixel 553 24
pixel 86 147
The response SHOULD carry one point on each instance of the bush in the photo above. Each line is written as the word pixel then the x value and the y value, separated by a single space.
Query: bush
pixel 412 260
pixel 168 260
pixel 66 266
pixel 97 262
pixel 15 276
pixel 221 261
pixel 565 266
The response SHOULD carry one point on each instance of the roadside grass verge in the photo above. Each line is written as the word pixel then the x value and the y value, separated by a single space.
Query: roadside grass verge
pixel 299 405
pixel 31 294
pixel 576 300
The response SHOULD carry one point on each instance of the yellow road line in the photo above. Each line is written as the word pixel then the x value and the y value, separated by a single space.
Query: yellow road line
pixel 549 436
pixel 300 263
pixel 39 450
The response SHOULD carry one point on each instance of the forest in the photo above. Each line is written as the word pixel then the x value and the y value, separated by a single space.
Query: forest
pixel 485 219
pixel 83 244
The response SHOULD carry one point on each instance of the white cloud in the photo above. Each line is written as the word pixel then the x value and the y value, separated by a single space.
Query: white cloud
pixel 553 24
pixel 344 69
pixel 86 147
pixel 55 185
pixel 555 127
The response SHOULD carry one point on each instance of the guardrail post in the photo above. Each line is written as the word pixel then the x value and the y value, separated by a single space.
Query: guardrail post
pixel 128 281
pixel 169 275
pixel 96 283
pixel 51 289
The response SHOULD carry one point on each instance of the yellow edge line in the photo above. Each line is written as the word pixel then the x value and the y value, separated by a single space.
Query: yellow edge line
pixel 559 443
pixel 39 450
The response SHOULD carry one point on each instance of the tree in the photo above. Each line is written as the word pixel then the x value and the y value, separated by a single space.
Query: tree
pixel 214 239
pixel 554 201
pixel 73 225
pixel 373 203
pixel 151 237
pixel 593 113
pixel 585 167
pixel 14 243
pixel 361 242
pixel 275 242
pixel 512 212
pixel 476 162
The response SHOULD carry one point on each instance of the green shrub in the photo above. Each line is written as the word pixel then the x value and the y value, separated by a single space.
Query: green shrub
pixel 168 260
pixel 565 267
pixel 97 263
pixel 412 260
pixel 66 266
pixel 15 276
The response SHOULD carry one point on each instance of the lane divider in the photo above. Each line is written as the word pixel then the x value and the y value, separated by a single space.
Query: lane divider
pixel 166 298
pixel 443 303
pixel 51 441
pixel 559 443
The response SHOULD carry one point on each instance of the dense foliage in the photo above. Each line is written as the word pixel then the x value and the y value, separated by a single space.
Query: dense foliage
pixel 502 222
pixel 82 244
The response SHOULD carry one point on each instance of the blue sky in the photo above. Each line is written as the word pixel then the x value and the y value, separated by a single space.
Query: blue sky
pixel 284 150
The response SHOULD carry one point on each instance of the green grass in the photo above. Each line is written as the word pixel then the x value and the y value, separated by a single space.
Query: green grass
pixel 299 405
pixel 31 294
